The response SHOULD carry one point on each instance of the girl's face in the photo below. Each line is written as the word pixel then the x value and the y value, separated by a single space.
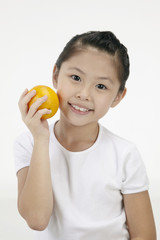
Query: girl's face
pixel 87 86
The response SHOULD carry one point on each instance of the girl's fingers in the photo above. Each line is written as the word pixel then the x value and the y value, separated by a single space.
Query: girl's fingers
pixel 29 96
pixel 23 101
pixel 23 94
pixel 34 107
pixel 40 113
pixel 37 117
pixel 32 112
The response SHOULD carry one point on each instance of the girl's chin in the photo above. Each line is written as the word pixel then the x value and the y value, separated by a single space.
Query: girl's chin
pixel 79 122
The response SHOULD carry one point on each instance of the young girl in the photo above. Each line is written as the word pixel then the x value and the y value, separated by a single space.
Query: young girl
pixel 76 179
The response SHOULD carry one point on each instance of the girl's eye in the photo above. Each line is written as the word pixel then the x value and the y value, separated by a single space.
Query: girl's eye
pixel 101 86
pixel 75 77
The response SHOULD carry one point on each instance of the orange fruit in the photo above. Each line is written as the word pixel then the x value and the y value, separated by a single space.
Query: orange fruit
pixel 52 103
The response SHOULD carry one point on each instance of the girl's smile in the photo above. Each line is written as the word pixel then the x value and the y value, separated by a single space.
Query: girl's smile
pixel 80 110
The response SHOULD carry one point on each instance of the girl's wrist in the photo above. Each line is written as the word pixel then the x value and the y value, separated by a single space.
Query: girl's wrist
pixel 41 140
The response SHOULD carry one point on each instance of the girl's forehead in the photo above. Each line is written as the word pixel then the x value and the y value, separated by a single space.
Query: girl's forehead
pixel 90 55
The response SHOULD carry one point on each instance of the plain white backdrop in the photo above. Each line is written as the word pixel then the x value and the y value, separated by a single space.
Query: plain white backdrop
pixel 33 33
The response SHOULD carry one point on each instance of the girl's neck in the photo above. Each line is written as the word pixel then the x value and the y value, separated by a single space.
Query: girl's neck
pixel 76 138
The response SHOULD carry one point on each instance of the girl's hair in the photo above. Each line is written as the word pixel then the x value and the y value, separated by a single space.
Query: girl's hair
pixel 104 41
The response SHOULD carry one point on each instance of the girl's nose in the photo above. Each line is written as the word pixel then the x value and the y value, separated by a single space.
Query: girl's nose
pixel 84 94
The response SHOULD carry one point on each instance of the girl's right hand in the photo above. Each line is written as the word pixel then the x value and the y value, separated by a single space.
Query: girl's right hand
pixel 32 116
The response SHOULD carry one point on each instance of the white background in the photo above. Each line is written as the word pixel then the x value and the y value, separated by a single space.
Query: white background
pixel 32 35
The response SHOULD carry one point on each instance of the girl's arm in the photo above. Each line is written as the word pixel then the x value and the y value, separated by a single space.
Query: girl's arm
pixel 139 215
pixel 35 196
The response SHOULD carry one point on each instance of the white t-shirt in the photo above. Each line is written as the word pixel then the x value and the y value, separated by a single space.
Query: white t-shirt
pixel 88 186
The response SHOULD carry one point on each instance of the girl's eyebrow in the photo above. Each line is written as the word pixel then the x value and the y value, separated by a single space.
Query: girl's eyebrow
pixel 101 78
pixel 77 69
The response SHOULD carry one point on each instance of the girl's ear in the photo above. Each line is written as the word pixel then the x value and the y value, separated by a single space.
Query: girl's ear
pixel 55 76
pixel 118 98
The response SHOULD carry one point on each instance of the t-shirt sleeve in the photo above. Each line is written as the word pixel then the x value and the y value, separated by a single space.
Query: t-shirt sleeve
pixel 23 147
pixel 135 177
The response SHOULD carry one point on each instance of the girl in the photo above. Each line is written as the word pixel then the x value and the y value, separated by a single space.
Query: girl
pixel 76 179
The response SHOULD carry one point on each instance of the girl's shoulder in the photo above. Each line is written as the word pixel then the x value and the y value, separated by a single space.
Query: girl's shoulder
pixel 116 140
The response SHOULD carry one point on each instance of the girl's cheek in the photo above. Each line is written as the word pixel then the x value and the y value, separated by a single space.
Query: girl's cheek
pixel 60 95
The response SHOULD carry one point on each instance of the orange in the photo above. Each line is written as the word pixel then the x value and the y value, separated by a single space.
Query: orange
pixel 52 103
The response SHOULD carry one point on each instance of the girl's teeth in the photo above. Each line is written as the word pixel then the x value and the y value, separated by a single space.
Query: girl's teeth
pixel 80 109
